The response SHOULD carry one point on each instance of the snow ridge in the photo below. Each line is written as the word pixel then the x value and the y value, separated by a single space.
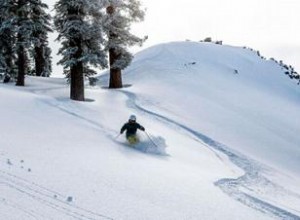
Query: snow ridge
pixel 253 177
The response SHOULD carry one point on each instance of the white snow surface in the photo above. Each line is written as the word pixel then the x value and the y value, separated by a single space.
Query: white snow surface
pixel 224 141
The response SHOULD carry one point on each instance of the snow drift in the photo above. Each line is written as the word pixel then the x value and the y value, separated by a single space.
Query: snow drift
pixel 228 93
pixel 224 120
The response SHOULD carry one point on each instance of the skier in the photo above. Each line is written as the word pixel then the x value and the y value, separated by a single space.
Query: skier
pixel 131 127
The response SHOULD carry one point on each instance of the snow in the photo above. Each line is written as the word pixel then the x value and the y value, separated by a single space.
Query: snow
pixel 225 122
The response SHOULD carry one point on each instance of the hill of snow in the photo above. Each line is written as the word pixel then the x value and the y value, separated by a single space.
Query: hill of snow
pixel 224 141
pixel 228 93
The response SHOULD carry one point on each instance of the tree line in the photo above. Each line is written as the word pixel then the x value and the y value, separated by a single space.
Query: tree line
pixel 94 34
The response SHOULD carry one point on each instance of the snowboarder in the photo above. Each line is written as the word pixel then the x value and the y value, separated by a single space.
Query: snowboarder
pixel 131 127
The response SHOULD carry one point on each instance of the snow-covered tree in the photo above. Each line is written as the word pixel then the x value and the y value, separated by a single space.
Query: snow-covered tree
pixel 7 38
pixel 41 27
pixel 78 23
pixel 24 30
pixel 24 27
pixel 120 15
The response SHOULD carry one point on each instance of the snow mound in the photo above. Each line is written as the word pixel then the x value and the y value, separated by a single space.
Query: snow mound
pixel 228 93
pixel 229 119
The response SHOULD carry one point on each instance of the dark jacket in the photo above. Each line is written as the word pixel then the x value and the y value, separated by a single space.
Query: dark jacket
pixel 131 128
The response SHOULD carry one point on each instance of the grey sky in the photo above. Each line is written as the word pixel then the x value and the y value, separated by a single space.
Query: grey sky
pixel 271 26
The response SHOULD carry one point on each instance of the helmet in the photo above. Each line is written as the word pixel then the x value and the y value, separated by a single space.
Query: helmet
pixel 132 118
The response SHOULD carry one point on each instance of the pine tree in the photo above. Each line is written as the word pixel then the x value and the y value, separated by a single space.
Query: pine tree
pixel 78 23
pixel 41 27
pixel 120 15
pixel 7 38
pixel 24 27
pixel 18 28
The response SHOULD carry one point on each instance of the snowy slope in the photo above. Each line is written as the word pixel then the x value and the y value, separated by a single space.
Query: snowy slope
pixel 254 111
pixel 231 142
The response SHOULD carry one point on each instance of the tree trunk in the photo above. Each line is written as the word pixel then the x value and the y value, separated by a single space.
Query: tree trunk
pixel 39 61
pixel 115 80
pixel 76 74
pixel 21 62
pixel 77 82
pixel 21 66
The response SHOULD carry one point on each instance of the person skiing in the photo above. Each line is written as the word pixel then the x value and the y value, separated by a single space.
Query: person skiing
pixel 131 128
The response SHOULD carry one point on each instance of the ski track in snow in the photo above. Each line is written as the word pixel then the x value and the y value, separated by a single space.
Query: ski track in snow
pixel 27 212
pixel 235 188
pixel 252 179
pixel 44 197
pixel 150 147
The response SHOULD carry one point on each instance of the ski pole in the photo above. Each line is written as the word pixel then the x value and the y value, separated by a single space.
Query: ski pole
pixel 117 136
pixel 151 139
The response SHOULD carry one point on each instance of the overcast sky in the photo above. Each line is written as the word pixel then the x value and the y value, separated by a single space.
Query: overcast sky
pixel 271 26
pixel 266 25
